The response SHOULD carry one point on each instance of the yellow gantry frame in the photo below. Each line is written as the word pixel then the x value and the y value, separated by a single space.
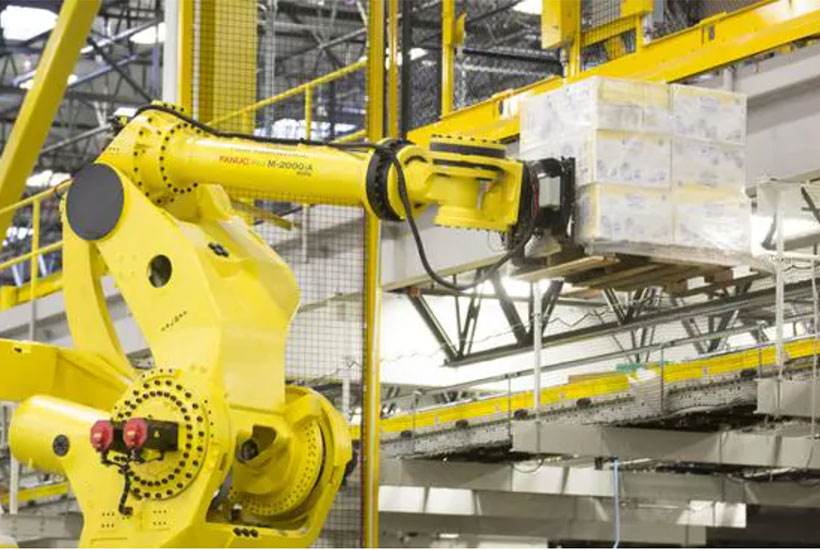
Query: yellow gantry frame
pixel 712 43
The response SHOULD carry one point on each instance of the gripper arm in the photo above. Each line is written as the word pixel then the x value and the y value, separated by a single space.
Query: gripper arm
pixel 471 181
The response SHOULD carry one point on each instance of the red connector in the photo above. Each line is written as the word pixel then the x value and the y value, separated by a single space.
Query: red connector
pixel 135 434
pixel 102 435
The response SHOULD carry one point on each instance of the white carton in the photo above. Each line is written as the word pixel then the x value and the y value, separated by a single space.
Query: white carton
pixel 705 218
pixel 612 157
pixel 708 163
pixel 619 104
pixel 625 158
pixel 621 213
pixel 595 103
pixel 715 115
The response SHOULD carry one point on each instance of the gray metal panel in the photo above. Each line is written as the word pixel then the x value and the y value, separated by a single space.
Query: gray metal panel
pixel 718 448
pixel 787 397
pixel 29 528
pixel 647 533
pixel 574 481
pixel 538 507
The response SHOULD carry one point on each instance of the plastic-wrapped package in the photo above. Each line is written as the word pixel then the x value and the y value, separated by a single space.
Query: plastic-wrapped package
pixel 623 213
pixel 708 163
pixel 627 158
pixel 715 115
pixel 595 103
pixel 618 104
pixel 612 157
pixel 660 169
pixel 705 218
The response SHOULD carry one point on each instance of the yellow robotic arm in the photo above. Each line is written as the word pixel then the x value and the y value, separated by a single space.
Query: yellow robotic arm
pixel 210 447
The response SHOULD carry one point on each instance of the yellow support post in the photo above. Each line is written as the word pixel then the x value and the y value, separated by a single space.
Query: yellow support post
pixel 375 70
pixel 34 267
pixel 574 62
pixel 372 385
pixel 308 112
pixel 43 99
pixel 448 54
pixel 372 291
pixel 393 69
pixel 185 47
pixel 558 22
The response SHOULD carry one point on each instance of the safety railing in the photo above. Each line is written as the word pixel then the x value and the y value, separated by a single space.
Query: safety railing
pixel 35 287
pixel 306 90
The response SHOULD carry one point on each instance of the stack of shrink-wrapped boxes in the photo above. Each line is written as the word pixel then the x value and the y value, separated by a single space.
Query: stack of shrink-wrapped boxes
pixel 656 164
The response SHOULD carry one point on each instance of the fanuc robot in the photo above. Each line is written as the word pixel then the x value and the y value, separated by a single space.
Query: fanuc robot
pixel 210 447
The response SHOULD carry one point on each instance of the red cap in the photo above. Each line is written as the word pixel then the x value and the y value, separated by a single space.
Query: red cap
pixel 135 433
pixel 102 435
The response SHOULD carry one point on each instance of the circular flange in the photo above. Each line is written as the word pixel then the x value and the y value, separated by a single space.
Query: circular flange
pixel 159 395
pixel 309 438
pixel 95 202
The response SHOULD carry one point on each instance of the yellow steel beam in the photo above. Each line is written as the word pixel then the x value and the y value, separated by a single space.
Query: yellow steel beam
pixel 253 212
pixel 42 100
pixel 31 369
pixel 713 43
pixel 39 492
pixel 11 296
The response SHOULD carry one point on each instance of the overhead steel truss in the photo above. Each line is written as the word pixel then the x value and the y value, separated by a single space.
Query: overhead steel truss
pixel 638 316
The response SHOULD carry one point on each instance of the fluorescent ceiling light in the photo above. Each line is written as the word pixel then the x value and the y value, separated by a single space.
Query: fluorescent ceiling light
pixel 150 35
pixel 27 84
pixel 415 53
pixel 20 23
pixel 532 7
pixel 46 178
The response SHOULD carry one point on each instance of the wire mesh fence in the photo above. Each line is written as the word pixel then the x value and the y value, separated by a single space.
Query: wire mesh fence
pixel 678 15
pixel 242 58
pixel 324 246
pixel 19 239
pixel 501 51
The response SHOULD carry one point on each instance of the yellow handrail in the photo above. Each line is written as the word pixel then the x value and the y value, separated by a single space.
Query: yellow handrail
pixel 305 89
pixel 35 201
pixel 35 198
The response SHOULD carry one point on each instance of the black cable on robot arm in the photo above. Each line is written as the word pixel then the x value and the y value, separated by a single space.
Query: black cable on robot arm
pixel 486 274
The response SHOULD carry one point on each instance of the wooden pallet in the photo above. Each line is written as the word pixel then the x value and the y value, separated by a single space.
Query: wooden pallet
pixel 625 272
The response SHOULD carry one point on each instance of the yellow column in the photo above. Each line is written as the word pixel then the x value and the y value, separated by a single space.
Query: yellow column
pixel 185 49
pixel 375 70
pixel 393 69
pixel 43 99
pixel 308 112
pixel 448 54
pixel 372 292
pixel 34 267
